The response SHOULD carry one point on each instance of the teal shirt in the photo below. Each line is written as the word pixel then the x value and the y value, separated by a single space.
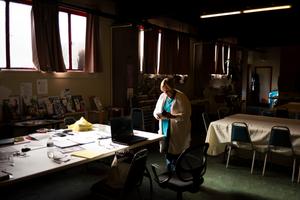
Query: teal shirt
pixel 166 122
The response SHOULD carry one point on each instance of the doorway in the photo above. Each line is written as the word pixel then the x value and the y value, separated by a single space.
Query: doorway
pixel 265 82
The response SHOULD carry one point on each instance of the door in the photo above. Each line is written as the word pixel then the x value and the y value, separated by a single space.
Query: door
pixel 265 83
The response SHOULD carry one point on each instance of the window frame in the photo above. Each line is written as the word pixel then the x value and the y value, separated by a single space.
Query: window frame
pixel 7 37
pixel 65 9
pixel 69 12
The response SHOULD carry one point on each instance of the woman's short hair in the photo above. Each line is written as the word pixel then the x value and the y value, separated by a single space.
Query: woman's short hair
pixel 169 82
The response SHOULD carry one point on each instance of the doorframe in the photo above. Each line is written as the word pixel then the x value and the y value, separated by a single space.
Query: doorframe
pixel 270 73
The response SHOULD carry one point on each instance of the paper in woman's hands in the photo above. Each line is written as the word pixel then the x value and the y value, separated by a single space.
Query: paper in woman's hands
pixel 163 115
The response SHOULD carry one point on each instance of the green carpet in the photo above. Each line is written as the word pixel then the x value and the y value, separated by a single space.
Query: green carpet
pixel 236 182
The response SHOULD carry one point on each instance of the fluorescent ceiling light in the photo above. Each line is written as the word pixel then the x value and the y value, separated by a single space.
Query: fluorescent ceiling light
pixel 267 9
pixel 247 11
pixel 220 14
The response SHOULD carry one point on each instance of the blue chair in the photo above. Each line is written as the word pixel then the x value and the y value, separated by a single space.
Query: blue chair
pixel 283 113
pixel 280 143
pixel 240 138
pixel 137 116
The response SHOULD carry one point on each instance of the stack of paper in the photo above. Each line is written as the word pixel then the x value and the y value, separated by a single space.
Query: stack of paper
pixel 86 154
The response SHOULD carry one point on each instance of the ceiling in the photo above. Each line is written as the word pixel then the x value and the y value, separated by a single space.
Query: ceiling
pixel 271 28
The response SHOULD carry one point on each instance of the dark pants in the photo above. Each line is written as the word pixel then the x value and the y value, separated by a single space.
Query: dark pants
pixel 171 161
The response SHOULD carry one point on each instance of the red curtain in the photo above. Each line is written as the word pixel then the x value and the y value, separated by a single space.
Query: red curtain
pixel 46 46
pixel 183 66
pixel 93 45
pixel 150 50
pixel 169 52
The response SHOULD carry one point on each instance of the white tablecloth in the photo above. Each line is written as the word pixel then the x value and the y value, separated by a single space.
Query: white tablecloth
pixel 219 132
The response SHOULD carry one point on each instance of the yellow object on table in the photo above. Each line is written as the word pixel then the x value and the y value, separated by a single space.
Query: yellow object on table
pixel 81 125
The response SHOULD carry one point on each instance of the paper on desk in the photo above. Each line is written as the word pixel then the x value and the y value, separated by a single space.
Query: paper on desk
pixel 39 136
pixel 65 143
pixel 82 139
pixel 86 154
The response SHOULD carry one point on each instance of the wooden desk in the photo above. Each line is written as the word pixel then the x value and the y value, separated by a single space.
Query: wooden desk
pixel 37 162
pixel 219 132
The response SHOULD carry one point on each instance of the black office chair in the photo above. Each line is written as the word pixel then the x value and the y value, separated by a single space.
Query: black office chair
pixel 280 143
pixel 189 170
pixel 240 138
pixel 137 116
pixel 69 121
pixel 119 187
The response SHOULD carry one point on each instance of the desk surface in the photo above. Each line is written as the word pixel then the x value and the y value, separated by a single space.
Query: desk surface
pixel 37 163
pixel 219 132
pixel 38 122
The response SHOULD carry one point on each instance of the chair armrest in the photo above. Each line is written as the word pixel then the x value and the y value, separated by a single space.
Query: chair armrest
pixel 155 168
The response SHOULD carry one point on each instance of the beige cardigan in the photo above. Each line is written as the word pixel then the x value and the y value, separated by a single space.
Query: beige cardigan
pixel 180 127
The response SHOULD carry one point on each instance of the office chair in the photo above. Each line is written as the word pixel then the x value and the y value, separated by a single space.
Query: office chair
pixel 280 143
pixel 240 138
pixel 137 116
pixel 119 187
pixel 69 121
pixel 189 170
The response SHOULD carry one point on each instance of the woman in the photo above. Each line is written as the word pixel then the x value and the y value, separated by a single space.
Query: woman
pixel 173 110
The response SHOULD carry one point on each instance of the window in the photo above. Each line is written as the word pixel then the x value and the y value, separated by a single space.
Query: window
pixel 72 26
pixel 141 47
pixel 72 29
pixel 154 38
pixel 2 35
pixel 158 51
pixel 221 60
pixel 20 35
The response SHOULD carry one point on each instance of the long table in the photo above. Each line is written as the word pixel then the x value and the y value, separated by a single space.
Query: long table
pixel 219 132
pixel 37 163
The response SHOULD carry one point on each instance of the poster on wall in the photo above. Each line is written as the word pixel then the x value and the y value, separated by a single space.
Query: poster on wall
pixel 42 86
pixel 26 89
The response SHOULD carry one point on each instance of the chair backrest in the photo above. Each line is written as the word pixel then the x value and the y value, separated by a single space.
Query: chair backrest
pixel 191 164
pixel 137 116
pixel 240 132
pixel 69 121
pixel 284 113
pixel 280 136
pixel 136 171
pixel 206 120
pixel 223 112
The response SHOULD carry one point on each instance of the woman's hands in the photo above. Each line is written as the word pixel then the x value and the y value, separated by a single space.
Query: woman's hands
pixel 165 115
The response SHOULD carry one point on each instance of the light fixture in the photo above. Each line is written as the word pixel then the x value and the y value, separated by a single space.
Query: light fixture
pixel 247 11
pixel 221 14
pixel 267 9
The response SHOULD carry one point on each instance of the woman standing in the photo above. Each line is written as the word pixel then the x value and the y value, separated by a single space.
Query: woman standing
pixel 173 110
